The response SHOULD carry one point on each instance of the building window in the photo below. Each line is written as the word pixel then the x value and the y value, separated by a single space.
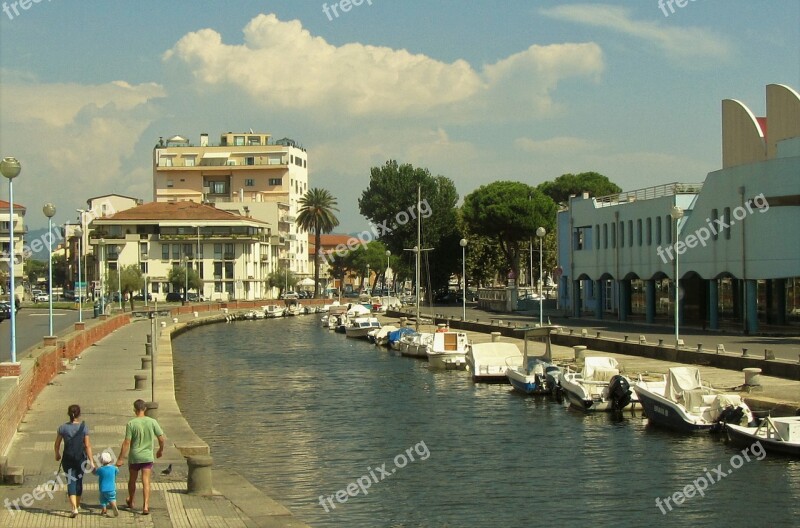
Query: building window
pixel 218 270
pixel 715 216
pixel 605 236
pixel 165 252
pixel 614 235
pixel 250 160
pixel 143 267
pixel 176 251
pixel 639 232
pixel 668 224
pixel 218 187
pixel 622 234
pixel 217 287
pixel 238 141
pixel 188 161
pixel 597 236
pixel 166 161
pixel 249 182
pixel 170 184
pixel 658 230
pixel 229 270
pixel 275 181
pixel 229 254
pixel 727 221
pixel 649 230
pixel 217 251
pixel 254 140
pixel 630 233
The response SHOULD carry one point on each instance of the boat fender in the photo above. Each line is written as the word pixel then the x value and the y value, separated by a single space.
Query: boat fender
pixel 619 391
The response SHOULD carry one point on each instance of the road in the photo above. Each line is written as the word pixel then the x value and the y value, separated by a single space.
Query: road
pixel 33 325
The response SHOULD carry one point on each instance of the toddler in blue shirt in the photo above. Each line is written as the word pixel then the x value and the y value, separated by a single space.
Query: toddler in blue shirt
pixel 107 473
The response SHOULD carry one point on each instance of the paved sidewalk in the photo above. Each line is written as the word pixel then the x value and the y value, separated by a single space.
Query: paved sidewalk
pixel 101 381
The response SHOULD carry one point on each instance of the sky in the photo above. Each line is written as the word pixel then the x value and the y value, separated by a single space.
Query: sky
pixel 477 91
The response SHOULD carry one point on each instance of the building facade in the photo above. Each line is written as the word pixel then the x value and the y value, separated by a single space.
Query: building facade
pixel 732 246
pixel 245 171
pixel 6 245
pixel 231 253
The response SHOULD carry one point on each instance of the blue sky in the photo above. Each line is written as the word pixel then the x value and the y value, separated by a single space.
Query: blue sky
pixel 477 91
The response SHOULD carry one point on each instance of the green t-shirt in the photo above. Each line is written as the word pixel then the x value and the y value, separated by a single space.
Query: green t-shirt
pixel 142 432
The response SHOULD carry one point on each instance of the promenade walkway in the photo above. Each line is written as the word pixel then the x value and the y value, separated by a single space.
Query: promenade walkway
pixel 101 381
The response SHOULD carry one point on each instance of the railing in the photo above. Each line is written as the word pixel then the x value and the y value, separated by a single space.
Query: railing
pixel 649 193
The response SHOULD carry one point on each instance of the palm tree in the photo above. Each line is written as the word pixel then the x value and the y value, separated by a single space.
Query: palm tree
pixel 316 215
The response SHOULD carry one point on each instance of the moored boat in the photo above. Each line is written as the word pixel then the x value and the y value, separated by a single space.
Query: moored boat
pixel 415 344
pixel 776 435
pixel 359 327
pixel 597 387
pixel 685 404
pixel 274 310
pixel 535 375
pixel 488 362
pixel 448 350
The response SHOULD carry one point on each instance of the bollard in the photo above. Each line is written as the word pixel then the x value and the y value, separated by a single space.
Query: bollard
pixel 195 315
pixel 139 381
pixel 768 354
pixel 175 320
pixel 495 337
pixel 699 347
pixel 199 479
pixel 584 332
pixel 225 310
pixel 580 351
pixel 720 349
pixel 660 342
pixel 597 336
pixel 151 410
pixel 752 376
pixel 625 338
pixel 642 340
pixel 163 324
pixel 147 361
pixel 679 343
pixel 571 330
pixel 744 352
pixel 148 348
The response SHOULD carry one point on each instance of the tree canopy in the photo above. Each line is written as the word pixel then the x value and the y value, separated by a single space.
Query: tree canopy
pixel 560 189
pixel 390 203
pixel 317 216
pixel 509 213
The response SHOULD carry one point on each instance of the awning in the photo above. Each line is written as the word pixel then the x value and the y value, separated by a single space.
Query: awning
pixel 216 155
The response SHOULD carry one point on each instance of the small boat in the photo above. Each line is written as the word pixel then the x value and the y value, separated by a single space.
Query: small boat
pixel 396 335
pixel 597 387
pixel 295 308
pixel 274 310
pixel 415 344
pixel 448 350
pixel 776 435
pixel 488 362
pixel 535 375
pixel 687 405
pixel 382 335
pixel 359 327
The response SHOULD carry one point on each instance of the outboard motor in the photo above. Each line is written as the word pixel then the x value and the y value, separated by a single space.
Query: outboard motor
pixel 731 414
pixel 619 392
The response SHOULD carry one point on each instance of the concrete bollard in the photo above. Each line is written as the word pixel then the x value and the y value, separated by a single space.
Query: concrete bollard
pixel 580 352
pixel 174 320
pixel 768 354
pixel 625 338
pixel 752 376
pixel 163 324
pixel 495 337
pixel 199 479
pixel 148 339
pixel 699 347
pixel 720 349
pixel 679 343
pixel 151 410
pixel 147 362
pixel 597 336
pixel 642 340
pixel 584 332
pixel 140 380
pixel 744 352
pixel 660 342
pixel 148 348
pixel 225 310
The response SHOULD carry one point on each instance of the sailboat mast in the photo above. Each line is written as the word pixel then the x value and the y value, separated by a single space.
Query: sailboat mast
pixel 418 249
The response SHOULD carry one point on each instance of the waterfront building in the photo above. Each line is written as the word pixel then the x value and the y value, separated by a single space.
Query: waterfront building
pixel 330 246
pixel 231 253
pixel 738 257
pixel 247 173
pixel 6 245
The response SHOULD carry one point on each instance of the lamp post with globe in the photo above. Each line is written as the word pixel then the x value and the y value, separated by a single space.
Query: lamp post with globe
pixel 10 169
pixel 49 211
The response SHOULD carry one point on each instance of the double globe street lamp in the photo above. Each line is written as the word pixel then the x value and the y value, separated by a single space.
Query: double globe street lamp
pixel 10 169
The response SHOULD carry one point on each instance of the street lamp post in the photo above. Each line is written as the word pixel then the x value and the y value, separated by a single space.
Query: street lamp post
pixel 540 232
pixel 80 291
pixel 185 277
pixel 677 213
pixel 49 211
pixel 119 279
pixel 10 168
pixel 463 243
pixel 101 273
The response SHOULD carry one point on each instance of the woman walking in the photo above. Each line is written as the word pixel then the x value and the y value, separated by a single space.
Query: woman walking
pixel 77 456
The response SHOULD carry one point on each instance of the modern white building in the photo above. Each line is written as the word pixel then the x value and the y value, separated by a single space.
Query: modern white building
pixel 6 244
pixel 232 253
pixel 735 249
pixel 243 171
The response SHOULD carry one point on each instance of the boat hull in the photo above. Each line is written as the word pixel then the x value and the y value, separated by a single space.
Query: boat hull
pixel 447 361
pixel 532 384
pixel 661 412
pixel 745 437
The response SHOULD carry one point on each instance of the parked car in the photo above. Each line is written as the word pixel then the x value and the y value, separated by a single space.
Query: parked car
pixel 5 311
pixel 140 297
pixel 174 297
pixel 290 295
pixel 41 297
pixel 193 297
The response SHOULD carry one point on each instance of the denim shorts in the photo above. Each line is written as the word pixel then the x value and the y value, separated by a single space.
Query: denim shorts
pixel 107 497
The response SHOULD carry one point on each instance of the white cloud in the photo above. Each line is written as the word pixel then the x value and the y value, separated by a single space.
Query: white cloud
pixel 282 66
pixel 557 145
pixel 676 42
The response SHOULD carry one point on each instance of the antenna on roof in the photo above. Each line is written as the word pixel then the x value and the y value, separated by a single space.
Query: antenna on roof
pixel 251 130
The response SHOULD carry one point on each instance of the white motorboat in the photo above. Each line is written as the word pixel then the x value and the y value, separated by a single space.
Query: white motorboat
pixel 382 335
pixel 776 435
pixel 535 375
pixel 687 405
pixel 489 362
pixel 448 350
pixel 360 326
pixel 274 310
pixel 416 344
pixel 597 387
pixel 295 309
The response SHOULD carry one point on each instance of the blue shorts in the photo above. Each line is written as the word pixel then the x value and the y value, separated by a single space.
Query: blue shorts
pixel 107 497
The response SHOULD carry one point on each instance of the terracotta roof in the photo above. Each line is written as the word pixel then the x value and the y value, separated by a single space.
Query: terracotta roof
pixel 184 210
pixel 330 241
pixel 5 205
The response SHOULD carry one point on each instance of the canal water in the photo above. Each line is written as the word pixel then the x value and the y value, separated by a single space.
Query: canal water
pixel 303 412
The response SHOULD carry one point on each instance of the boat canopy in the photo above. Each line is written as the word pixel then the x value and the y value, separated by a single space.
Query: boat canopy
pixel 680 380
pixel 395 335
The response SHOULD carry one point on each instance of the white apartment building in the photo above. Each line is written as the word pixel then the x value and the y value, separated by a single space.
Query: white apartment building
pixel 231 253
pixel 246 172
pixel 6 243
